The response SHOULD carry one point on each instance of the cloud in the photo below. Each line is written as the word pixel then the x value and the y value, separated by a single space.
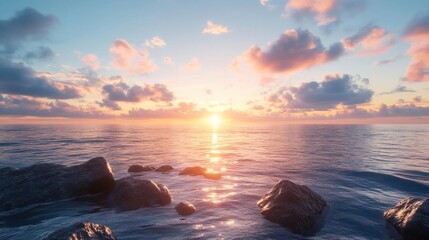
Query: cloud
pixel 370 40
pixel 26 106
pixel 155 42
pixel 183 110
pixel 42 53
pixel 91 60
pixel 418 33
pixel 293 51
pixel 398 89
pixel 121 92
pixel 324 12
pixel 266 3
pixel 409 110
pixel 387 61
pixel 18 79
pixel 27 23
pixel 215 29
pixel 334 90
pixel 109 104
pixel 168 60
pixel 192 66
pixel 126 58
pixel 417 99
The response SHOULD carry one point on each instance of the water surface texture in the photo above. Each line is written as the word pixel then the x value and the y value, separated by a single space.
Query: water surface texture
pixel 361 170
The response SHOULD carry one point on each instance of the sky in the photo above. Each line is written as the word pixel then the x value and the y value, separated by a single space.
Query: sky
pixel 257 61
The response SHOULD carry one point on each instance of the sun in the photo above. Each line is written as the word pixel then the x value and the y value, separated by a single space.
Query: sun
pixel 214 120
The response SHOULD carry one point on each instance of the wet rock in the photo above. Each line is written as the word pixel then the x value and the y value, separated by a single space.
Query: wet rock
pixel 410 218
pixel 193 171
pixel 185 208
pixel 140 168
pixel 212 175
pixel 83 231
pixel 164 168
pixel 295 207
pixel 47 182
pixel 197 171
pixel 132 193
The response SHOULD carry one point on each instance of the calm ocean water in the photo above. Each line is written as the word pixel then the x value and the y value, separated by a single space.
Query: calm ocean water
pixel 361 170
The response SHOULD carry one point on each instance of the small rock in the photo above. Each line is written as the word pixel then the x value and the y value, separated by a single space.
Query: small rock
pixel 212 175
pixel 132 193
pixel 295 207
pixel 83 231
pixel 410 217
pixel 185 208
pixel 164 168
pixel 140 168
pixel 193 171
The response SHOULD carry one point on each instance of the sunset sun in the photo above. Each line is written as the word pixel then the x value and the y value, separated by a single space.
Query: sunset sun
pixel 214 120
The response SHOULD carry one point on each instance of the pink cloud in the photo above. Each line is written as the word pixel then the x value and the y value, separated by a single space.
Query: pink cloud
pixel 168 60
pixel 324 12
pixel 127 58
pixel 91 60
pixel 155 42
pixel 370 40
pixel 192 66
pixel 215 29
pixel 293 51
pixel 418 33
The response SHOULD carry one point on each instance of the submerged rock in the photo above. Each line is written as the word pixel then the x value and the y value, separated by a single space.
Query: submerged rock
pixel 164 168
pixel 47 182
pixel 410 217
pixel 132 193
pixel 83 231
pixel 212 175
pixel 140 168
pixel 193 171
pixel 185 208
pixel 197 171
pixel 295 207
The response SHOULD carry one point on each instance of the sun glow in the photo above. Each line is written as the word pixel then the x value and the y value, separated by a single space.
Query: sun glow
pixel 215 120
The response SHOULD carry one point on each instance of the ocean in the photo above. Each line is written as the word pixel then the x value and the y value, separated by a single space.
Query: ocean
pixel 361 170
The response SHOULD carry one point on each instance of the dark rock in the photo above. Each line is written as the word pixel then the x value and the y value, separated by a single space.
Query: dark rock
pixel 212 175
pixel 164 168
pixel 193 171
pixel 410 217
pixel 185 208
pixel 132 193
pixel 83 231
pixel 140 168
pixel 46 182
pixel 295 207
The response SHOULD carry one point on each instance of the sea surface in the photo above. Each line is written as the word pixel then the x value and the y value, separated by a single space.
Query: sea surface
pixel 361 170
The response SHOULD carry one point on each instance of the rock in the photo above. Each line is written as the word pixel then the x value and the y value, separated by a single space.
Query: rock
pixel 47 182
pixel 140 168
pixel 212 175
pixel 193 171
pixel 197 170
pixel 410 217
pixel 164 168
pixel 83 231
pixel 295 207
pixel 132 193
pixel 185 208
